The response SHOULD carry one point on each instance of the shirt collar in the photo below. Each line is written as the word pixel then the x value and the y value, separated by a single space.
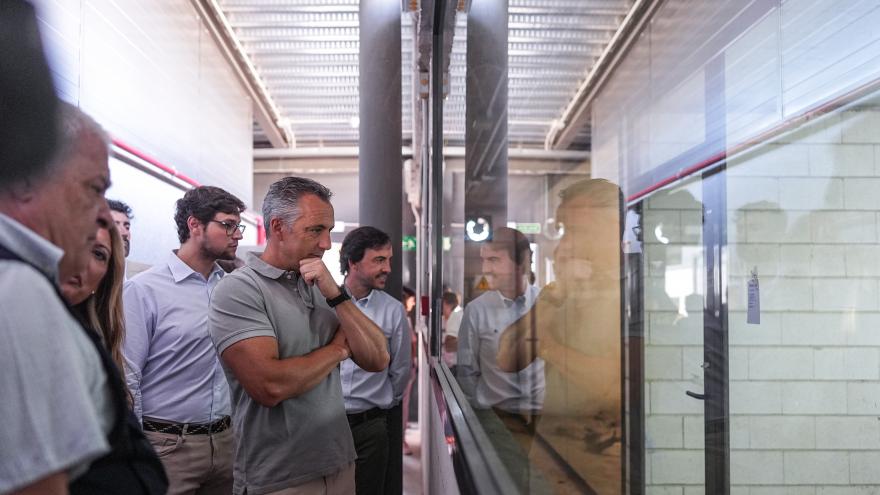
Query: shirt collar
pixel 273 272
pixel 181 271
pixel 265 269
pixel 30 247
pixel 524 298
pixel 364 300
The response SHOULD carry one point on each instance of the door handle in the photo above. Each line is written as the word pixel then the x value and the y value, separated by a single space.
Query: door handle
pixel 695 395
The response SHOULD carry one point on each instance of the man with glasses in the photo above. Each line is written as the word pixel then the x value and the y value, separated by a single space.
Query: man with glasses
pixel 177 384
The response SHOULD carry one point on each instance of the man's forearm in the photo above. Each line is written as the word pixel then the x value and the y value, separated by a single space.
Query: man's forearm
pixel 369 348
pixel 54 484
pixel 269 380
pixel 515 349
pixel 301 374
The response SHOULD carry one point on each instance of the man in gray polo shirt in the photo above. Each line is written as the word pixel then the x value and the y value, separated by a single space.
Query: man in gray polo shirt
pixel 281 326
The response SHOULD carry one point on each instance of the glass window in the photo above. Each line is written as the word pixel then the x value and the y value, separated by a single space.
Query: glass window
pixel 693 307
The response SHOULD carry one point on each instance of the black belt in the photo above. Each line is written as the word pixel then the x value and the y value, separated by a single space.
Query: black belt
pixel 188 428
pixel 355 419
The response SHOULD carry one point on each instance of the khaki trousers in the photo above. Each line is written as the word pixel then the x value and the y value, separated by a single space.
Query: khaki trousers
pixel 195 464
pixel 338 483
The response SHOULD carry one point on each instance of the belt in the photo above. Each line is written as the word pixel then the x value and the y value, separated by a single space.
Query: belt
pixel 355 419
pixel 188 428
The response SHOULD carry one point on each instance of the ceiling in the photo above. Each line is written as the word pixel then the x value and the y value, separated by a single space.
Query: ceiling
pixel 305 52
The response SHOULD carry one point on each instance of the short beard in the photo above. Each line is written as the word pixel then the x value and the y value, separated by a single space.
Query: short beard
pixel 219 254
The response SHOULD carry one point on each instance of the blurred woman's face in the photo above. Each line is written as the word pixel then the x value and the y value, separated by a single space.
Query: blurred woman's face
pixel 79 287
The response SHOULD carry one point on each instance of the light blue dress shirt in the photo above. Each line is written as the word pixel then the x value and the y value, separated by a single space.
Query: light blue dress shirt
pixel 363 390
pixel 172 368
pixel 482 324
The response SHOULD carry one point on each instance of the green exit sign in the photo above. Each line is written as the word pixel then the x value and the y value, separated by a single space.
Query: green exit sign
pixel 527 227
pixel 409 243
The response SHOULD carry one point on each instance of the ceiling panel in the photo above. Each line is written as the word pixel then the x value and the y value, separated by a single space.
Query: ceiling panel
pixel 306 53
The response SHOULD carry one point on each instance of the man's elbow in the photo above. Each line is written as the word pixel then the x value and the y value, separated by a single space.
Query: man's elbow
pixel 266 394
pixel 376 363
pixel 506 365
pixel 509 362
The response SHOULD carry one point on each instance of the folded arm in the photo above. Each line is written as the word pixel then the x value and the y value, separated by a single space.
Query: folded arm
pixel 54 484
pixel 270 380
pixel 369 348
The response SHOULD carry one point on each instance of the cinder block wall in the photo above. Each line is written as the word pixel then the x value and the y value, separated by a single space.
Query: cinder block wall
pixel 674 287
pixel 805 383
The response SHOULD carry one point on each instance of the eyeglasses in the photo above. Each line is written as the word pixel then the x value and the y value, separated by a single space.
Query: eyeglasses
pixel 231 227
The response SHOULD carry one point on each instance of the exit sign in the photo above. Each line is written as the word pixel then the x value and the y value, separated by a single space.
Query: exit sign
pixel 409 243
pixel 526 227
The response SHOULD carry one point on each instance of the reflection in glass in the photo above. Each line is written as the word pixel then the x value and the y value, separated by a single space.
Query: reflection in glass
pixel 574 332
pixel 674 289
pixel 508 402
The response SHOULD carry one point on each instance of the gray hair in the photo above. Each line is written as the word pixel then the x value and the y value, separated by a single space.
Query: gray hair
pixel 282 199
pixel 73 127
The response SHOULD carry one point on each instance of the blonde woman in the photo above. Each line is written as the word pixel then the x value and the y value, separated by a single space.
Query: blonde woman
pixel 95 294
pixel 95 297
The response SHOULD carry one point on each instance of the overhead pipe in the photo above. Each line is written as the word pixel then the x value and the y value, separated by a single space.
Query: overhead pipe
pixel 564 130
pixel 144 162
pixel 407 152
pixel 266 113
pixel 721 157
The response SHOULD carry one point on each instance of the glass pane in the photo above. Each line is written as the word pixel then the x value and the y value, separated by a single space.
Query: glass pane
pixel 803 251
pixel 674 286
pixel 541 363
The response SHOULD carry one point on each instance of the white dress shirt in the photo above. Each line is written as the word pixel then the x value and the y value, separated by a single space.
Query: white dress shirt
pixel 482 324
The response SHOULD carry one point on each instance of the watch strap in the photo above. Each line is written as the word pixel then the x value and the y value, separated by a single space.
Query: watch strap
pixel 341 298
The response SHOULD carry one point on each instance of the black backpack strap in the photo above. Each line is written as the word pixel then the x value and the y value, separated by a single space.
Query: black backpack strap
pixel 131 465
pixel 114 381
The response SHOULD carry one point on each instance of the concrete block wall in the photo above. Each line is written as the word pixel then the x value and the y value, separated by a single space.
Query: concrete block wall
pixel 674 287
pixel 805 383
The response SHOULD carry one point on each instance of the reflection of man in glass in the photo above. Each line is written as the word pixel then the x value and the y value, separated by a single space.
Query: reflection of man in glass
pixel 575 328
pixel 515 396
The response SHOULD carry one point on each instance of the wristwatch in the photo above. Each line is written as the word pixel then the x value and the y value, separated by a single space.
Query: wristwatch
pixel 341 298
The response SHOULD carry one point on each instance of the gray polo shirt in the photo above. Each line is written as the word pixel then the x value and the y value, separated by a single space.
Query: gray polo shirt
pixel 301 438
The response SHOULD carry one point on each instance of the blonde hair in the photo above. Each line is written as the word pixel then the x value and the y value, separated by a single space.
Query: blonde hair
pixel 103 311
